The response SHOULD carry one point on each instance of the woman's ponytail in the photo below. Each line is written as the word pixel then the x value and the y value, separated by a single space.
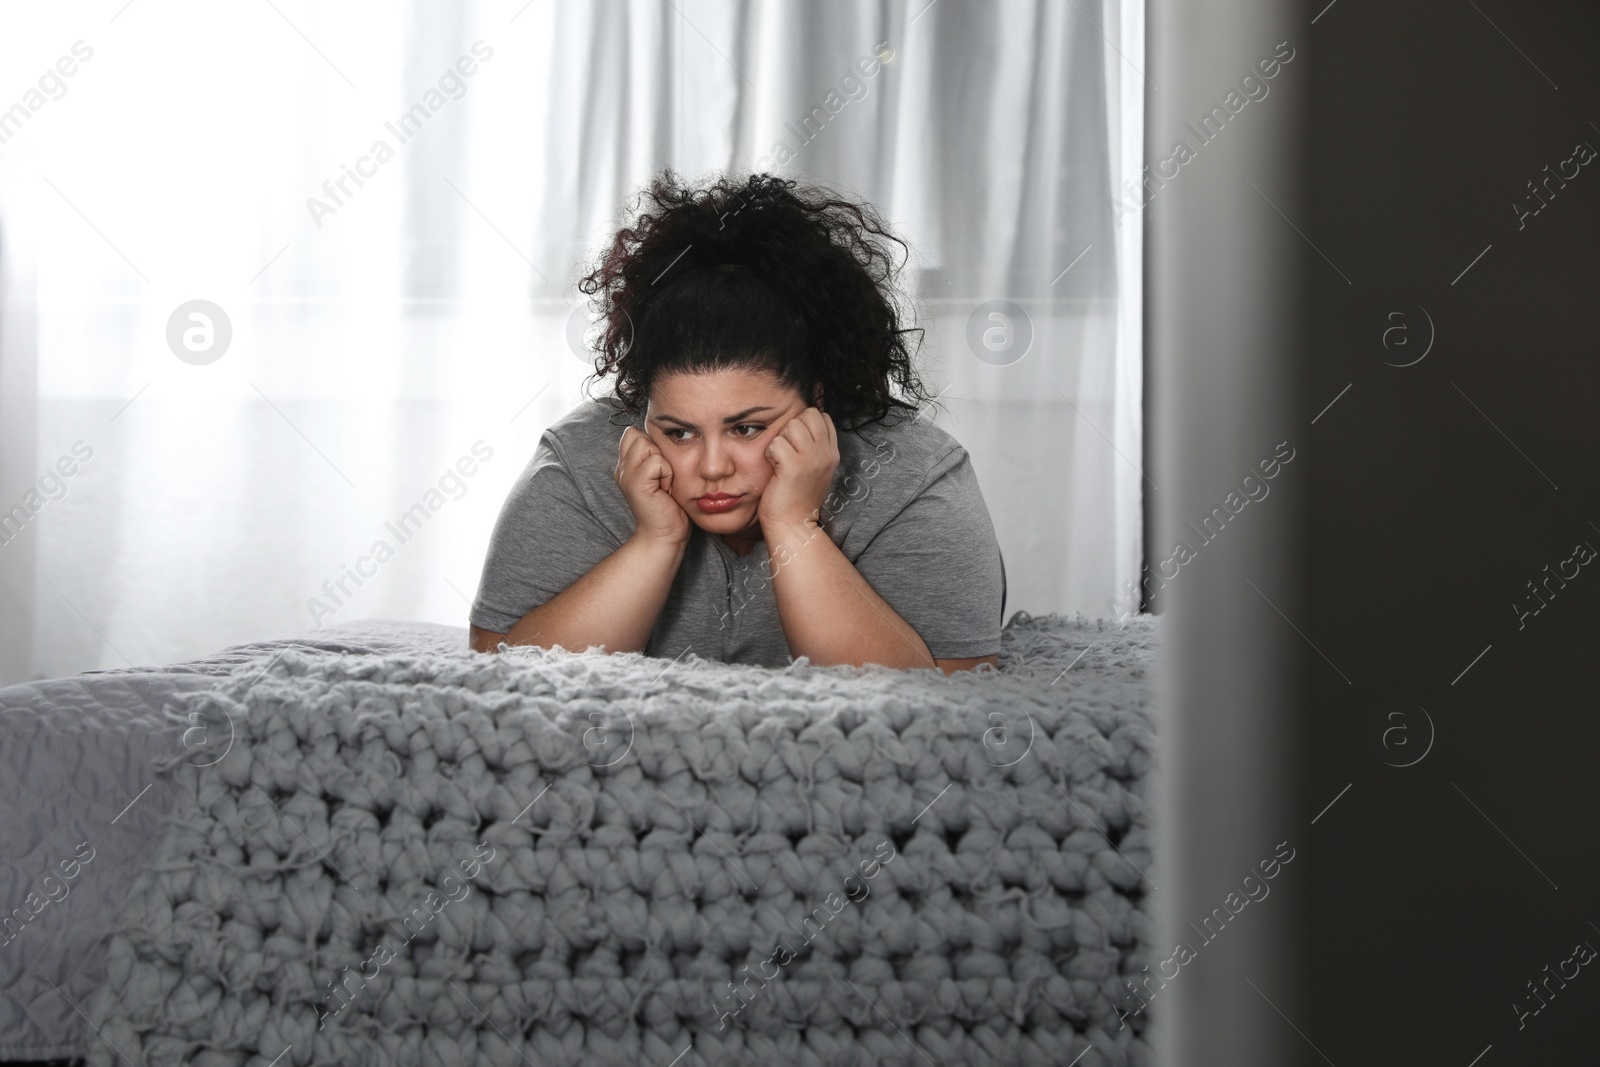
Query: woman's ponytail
pixel 761 273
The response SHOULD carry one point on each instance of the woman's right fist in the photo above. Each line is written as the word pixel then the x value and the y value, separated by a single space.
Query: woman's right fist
pixel 645 478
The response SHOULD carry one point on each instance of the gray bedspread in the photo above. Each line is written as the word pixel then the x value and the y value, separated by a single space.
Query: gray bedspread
pixel 79 795
pixel 368 845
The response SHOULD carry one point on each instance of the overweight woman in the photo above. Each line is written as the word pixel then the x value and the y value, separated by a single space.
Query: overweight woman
pixel 752 490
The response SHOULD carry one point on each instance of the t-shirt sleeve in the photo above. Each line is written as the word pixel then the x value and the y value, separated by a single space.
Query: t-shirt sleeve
pixel 937 563
pixel 545 539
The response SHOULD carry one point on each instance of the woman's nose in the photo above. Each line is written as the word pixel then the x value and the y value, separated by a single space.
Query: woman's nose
pixel 715 462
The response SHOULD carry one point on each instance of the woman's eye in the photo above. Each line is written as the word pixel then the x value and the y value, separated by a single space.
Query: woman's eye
pixel 756 431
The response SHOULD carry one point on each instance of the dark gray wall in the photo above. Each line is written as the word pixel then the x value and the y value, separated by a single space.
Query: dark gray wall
pixel 1438 490
pixel 1400 713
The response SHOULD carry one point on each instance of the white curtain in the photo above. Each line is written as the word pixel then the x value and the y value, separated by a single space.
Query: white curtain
pixel 401 317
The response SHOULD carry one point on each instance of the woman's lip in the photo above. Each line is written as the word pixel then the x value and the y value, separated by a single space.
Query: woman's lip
pixel 718 503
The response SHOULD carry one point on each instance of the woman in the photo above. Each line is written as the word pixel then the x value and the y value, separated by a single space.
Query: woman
pixel 751 491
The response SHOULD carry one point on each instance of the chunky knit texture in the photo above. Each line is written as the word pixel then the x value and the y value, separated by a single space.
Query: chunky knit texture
pixel 575 859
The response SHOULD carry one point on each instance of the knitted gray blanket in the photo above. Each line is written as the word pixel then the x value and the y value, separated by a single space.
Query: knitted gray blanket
pixel 568 859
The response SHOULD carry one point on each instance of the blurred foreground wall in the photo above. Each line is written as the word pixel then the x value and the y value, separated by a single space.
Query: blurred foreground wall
pixel 1231 442
pixel 1387 261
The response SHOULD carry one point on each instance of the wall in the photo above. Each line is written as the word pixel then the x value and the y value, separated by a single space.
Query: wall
pixel 1360 664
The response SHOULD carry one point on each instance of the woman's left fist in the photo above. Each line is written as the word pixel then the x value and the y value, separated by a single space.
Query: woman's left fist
pixel 804 456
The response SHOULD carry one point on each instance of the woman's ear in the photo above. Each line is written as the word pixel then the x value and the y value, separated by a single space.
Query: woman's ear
pixel 816 396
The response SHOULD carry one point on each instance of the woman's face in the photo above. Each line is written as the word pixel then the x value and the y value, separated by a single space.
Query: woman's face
pixel 714 428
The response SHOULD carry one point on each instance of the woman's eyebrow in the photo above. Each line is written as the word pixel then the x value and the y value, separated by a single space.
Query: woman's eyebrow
pixel 729 421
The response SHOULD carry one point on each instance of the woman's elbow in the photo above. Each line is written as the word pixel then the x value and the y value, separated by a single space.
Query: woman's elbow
pixel 481 640
pixel 951 666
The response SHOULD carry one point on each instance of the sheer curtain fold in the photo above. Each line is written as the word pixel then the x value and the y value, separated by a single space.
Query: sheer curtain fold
pixel 434 309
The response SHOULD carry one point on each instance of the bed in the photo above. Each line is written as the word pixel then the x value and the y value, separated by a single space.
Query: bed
pixel 366 844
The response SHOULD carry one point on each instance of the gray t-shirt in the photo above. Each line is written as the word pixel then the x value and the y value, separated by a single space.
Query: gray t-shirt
pixel 904 507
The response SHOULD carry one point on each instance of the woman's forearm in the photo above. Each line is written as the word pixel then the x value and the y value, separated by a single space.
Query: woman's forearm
pixel 828 611
pixel 616 604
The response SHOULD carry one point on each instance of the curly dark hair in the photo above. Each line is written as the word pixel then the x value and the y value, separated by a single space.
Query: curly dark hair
pixel 760 273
